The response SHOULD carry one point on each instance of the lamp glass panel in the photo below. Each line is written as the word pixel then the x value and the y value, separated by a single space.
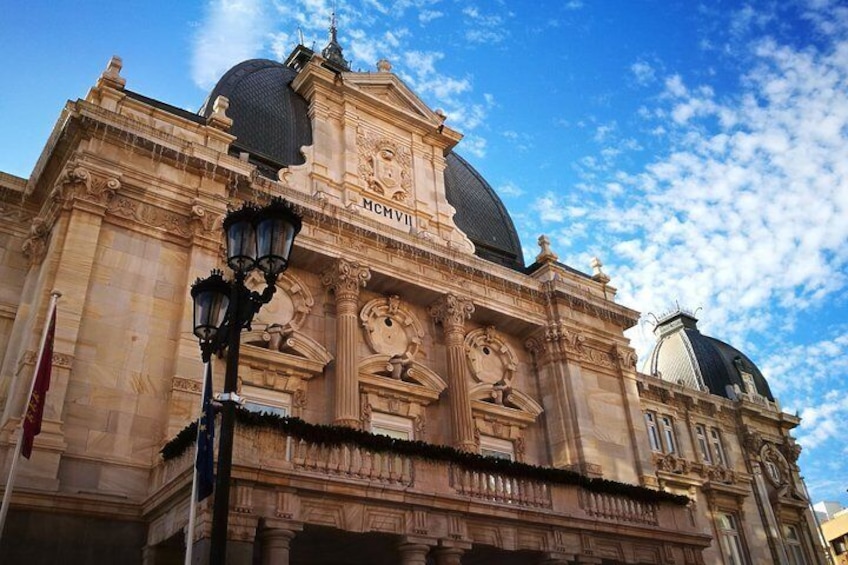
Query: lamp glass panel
pixel 241 246
pixel 275 237
pixel 210 308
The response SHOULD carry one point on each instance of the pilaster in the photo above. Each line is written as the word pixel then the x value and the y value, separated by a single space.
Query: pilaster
pixel 344 279
pixel 452 311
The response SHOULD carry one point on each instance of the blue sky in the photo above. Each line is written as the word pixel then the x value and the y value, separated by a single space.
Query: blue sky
pixel 699 149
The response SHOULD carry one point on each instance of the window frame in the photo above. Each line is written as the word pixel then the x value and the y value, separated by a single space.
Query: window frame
pixel 717 444
pixel 703 443
pixel 731 540
pixel 491 446
pixel 391 425
pixel 668 435
pixel 654 441
pixel 794 545
pixel 259 400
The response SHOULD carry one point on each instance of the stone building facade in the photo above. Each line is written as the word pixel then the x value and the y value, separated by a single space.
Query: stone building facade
pixel 407 311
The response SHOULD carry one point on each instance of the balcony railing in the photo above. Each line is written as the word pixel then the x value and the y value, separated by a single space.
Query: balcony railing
pixel 351 461
pixel 353 467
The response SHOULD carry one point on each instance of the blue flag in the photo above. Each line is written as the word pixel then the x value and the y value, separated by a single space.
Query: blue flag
pixel 205 462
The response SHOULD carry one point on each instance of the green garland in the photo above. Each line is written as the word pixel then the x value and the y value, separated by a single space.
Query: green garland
pixel 340 435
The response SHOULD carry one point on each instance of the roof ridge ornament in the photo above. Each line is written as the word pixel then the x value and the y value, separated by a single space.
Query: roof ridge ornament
pixel 332 53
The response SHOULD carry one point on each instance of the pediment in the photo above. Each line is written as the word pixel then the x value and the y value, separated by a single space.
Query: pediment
pixel 413 374
pixel 388 89
pixel 300 349
pixel 520 409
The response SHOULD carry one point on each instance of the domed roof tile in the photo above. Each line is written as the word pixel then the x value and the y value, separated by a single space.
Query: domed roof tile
pixel 684 355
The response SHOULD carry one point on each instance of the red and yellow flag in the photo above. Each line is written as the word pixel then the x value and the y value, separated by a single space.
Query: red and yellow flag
pixel 35 409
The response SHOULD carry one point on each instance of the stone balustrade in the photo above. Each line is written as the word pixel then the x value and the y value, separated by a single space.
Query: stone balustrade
pixel 499 488
pixel 618 508
pixel 353 467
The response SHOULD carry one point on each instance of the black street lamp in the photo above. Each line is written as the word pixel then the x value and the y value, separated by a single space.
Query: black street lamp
pixel 256 238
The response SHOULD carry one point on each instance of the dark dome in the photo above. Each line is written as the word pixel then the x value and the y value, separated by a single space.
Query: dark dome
pixel 481 214
pixel 269 118
pixel 271 122
pixel 683 354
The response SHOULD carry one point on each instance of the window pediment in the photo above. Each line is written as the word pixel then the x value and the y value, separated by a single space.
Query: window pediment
pixel 287 350
pixel 518 409
pixel 411 379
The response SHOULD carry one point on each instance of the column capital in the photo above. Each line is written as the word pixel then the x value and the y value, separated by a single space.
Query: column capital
pixel 452 311
pixel 345 278
pixel 448 555
pixel 412 553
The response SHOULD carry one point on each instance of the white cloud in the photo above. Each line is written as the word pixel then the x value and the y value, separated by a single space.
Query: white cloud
pixel 745 215
pixel 232 31
pixel 475 145
pixel 509 188
pixel 427 16
pixel 643 72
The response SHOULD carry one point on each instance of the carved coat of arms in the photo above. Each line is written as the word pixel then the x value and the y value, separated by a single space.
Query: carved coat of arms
pixel 385 166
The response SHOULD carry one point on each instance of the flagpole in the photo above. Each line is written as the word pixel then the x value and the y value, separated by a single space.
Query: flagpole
pixel 192 503
pixel 13 468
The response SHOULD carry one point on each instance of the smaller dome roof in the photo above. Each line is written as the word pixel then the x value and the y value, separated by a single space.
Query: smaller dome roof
pixel 684 355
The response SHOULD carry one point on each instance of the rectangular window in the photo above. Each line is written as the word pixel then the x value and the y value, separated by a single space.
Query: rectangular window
pixel 653 434
pixel 266 401
pixel 718 448
pixel 669 442
pixel 396 427
pixel 495 447
pixel 703 445
pixel 794 546
pixel 731 542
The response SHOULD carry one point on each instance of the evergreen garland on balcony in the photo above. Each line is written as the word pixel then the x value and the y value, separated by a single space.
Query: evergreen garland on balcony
pixel 329 435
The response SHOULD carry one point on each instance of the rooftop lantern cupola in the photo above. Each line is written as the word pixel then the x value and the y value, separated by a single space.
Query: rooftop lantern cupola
pixel 332 53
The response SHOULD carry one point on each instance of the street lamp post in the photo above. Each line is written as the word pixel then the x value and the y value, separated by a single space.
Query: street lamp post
pixel 256 238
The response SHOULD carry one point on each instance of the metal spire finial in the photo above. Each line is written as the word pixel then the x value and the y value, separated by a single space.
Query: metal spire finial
pixel 333 51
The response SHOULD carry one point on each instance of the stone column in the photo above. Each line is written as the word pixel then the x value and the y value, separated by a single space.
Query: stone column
pixel 448 555
pixel 344 279
pixel 275 545
pixel 413 553
pixel 452 312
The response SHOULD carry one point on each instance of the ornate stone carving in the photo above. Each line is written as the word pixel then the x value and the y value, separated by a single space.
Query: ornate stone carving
pixel 290 306
pixel 451 310
pixel 385 166
pixel 490 360
pixel 365 411
pixel 392 330
pixel 790 450
pixel 419 425
pixel 34 246
pixel 345 278
pixel 74 180
pixel 204 222
pixel 752 440
pixel 671 463
pixel 77 181
pixel 718 473
pixel 775 466
pixel 186 385
pixel 150 216
pixel 627 358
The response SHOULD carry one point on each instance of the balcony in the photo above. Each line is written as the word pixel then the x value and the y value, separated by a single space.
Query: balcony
pixel 354 487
